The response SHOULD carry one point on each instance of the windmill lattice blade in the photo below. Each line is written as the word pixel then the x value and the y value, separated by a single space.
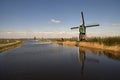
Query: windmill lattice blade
pixel 74 27
pixel 93 25
pixel 82 16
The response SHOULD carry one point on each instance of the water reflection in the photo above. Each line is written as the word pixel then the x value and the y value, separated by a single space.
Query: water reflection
pixel 94 64
pixel 110 54
pixel 82 58
pixel 45 61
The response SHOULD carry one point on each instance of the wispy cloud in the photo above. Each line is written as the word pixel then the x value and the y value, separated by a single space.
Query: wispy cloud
pixel 8 32
pixel 55 21
pixel 44 34
pixel 54 34
pixel 116 24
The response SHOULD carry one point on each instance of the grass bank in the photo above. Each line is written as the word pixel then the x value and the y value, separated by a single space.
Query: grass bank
pixel 109 43
pixel 91 45
pixel 9 45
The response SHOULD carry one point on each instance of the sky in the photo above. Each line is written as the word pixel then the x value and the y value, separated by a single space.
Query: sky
pixel 54 18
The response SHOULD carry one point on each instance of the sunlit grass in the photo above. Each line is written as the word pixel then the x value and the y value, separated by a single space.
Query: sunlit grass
pixel 106 40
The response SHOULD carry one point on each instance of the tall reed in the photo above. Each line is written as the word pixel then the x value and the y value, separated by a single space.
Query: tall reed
pixel 106 41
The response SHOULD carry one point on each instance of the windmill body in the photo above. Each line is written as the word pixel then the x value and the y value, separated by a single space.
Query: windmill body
pixel 82 28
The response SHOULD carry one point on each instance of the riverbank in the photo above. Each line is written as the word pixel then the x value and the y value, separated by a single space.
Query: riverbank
pixel 4 47
pixel 94 45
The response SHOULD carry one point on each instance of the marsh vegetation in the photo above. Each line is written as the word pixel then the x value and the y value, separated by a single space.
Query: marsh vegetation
pixel 109 41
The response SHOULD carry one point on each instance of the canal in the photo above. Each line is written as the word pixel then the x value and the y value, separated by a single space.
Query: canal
pixel 47 61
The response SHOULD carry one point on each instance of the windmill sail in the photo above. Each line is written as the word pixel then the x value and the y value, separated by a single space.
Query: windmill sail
pixel 82 28
pixel 74 28
pixel 82 16
pixel 92 25
pixel 83 25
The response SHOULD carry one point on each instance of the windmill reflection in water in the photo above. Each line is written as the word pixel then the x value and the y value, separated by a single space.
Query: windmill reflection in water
pixel 82 59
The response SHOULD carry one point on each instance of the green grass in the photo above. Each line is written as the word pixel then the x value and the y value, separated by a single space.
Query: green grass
pixel 11 45
pixel 4 48
pixel 5 41
pixel 106 41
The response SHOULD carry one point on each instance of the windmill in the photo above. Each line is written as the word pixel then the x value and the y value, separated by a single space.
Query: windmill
pixel 82 28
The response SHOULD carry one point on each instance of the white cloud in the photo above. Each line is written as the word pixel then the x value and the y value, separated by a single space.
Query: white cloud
pixel 116 24
pixel 44 34
pixel 8 32
pixel 58 34
pixel 55 21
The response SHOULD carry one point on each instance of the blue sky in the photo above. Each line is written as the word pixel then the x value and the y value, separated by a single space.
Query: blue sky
pixel 54 18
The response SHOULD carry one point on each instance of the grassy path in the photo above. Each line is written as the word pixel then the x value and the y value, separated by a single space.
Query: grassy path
pixel 4 47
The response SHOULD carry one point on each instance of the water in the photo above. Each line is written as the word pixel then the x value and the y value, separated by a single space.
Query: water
pixel 48 61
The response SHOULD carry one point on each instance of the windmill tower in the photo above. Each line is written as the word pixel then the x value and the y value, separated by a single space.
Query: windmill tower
pixel 82 28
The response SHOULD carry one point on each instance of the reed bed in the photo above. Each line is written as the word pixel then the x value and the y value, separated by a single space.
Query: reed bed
pixel 109 41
